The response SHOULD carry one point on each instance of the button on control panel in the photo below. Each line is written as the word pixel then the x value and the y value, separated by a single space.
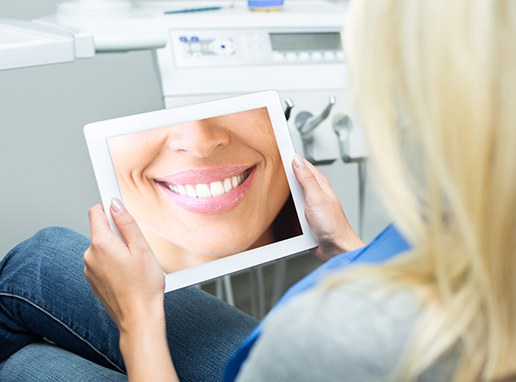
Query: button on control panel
pixel 222 47
pixel 194 48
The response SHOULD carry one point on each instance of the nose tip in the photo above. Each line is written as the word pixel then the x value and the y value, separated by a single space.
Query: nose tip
pixel 200 139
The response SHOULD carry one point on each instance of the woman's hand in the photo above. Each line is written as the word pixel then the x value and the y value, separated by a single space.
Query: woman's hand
pixel 128 280
pixel 125 276
pixel 324 212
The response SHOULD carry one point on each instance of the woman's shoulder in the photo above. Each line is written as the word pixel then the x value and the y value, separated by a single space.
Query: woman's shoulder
pixel 356 330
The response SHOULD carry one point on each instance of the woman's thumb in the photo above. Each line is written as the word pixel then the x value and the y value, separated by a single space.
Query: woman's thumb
pixel 304 175
pixel 125 222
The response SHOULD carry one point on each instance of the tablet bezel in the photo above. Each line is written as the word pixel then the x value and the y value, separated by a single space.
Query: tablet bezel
pixel 98 133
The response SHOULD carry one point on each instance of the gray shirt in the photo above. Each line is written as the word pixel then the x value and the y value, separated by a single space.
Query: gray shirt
pixel 352 332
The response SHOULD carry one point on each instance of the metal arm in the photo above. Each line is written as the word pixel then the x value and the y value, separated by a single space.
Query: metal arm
pixel 306 123
pixel 342 126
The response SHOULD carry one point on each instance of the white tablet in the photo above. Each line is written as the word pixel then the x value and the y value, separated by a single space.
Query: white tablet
pixel 210 185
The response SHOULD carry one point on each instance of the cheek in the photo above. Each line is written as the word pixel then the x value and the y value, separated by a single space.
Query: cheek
pixel 274 160
pixel 133 154
pixel 282 189
pixel 130 165
pixel 265 145
pixel 274 170
pixel 122 161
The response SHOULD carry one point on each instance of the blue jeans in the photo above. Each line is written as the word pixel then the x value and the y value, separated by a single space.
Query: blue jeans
pixel 52 327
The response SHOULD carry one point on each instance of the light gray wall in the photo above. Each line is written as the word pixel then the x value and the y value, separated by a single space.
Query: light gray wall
pixel 46 176
pixel 26 9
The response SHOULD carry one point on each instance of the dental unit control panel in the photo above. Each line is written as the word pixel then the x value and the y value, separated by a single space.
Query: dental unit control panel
pixel 213 48
pixel 297 52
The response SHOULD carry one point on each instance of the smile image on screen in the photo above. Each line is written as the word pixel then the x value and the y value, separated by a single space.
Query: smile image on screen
pixel 206 189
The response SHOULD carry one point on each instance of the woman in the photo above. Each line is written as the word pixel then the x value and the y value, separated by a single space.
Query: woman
pixel 192 185
pixel 433 79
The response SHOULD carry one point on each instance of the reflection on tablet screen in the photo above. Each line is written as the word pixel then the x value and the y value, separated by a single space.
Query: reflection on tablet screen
pixel 206 189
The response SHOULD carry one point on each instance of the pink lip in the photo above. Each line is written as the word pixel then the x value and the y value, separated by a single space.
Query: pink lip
pixel 211 205
pixel 203 175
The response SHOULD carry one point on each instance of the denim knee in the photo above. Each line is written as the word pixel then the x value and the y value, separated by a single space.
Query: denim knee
pixel 59 240
pixel 44 294
pixel 40 256
pixel 41 361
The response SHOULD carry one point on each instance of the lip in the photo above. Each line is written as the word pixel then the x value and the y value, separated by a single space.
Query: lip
pixel 213 204
pixel 197 176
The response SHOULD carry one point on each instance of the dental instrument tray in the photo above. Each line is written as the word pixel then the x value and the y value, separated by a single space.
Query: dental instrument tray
pixel 210 185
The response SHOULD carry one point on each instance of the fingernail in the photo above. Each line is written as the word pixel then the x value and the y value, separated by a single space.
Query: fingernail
pixel 117 205
pixel 299 162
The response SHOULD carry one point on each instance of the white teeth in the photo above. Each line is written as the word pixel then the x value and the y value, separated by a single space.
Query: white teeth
pixel 181 190
pixel 216 188
pixel 190 191
pixel 203 190
pixel 207 190
pixel 227 184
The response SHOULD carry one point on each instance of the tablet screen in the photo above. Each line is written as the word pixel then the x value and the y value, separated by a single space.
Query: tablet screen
pixel 210 185
pixel 206 189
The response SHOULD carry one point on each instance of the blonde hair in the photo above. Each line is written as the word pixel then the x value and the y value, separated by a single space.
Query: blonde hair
pixel 440 77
